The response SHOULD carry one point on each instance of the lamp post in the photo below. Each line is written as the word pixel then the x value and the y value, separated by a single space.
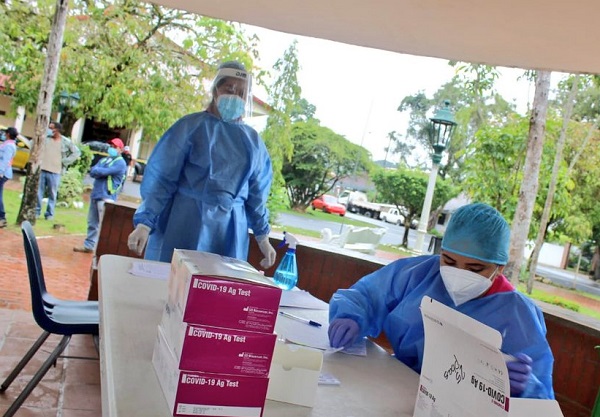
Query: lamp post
pixel 443 124
pixel 66 100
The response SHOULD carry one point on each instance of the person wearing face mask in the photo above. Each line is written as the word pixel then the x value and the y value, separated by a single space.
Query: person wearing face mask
pixel 207 180
pixel 8 150
pixel 109 175
pixel 466 276
pixel 57 154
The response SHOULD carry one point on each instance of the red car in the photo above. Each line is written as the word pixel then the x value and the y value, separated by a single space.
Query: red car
pixel 328 204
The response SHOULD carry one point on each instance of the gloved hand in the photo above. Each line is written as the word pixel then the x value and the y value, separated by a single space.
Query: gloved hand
pixel 267 250
pixel 519 372
pixel 343 332
pixel 138 238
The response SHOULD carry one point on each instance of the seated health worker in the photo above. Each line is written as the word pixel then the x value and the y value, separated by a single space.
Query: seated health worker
pixel 466 276
pixel 207 180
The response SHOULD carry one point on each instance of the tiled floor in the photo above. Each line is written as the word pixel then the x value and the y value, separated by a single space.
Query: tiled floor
pixel 72 388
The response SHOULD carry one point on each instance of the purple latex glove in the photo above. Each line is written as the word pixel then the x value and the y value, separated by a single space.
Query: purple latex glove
pixel 519 372
pixel 343 332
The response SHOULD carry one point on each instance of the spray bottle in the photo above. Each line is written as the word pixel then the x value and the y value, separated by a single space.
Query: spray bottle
pixel 286 274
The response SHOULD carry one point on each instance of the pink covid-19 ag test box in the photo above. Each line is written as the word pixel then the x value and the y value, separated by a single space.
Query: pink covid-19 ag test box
pixel 214 290
pixel 196 393
pixel 218 349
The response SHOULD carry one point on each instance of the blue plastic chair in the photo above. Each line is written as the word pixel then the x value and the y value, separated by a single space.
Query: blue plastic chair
pixel 53 315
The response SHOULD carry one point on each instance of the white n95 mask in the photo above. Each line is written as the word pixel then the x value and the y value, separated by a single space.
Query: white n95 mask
pixel 463 285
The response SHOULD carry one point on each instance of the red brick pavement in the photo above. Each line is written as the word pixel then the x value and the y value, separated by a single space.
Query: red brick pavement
pixel 67 273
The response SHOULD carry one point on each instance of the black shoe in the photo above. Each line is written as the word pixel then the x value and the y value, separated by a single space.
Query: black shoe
pixel 3 223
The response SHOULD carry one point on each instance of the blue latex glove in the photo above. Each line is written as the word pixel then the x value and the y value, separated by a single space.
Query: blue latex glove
pixel 519 372
pixel 343 332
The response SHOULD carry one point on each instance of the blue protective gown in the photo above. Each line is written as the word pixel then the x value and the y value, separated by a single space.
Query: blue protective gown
pixel 388 300
pixel 206 182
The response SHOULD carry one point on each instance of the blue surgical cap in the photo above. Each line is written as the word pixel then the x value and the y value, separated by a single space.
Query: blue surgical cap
pixel 478 231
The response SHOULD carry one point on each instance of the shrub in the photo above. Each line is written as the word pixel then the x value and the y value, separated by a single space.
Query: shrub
pixel 71 187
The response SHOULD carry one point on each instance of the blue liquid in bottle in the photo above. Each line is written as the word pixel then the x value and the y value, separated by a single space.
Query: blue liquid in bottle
pixel 286 275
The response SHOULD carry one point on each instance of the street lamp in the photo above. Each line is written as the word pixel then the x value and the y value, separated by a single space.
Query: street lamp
pixel 443 124
pixel 66 100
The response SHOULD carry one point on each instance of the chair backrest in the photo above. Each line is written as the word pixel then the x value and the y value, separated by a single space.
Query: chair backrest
pixel 74 319
pixel 36 277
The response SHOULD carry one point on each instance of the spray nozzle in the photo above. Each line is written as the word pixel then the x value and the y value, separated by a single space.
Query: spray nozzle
pixel 288 239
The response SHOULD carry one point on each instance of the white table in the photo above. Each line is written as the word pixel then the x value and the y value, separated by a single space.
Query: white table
pixel 130 309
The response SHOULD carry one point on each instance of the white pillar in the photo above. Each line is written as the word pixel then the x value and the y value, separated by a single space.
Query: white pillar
pixel 77 131
pixel 20 118
pixel 424 220
pixel 134 145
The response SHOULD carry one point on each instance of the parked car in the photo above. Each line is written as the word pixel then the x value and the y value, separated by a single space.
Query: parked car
pixel 392 216
pixel 23 143
pixel 328 204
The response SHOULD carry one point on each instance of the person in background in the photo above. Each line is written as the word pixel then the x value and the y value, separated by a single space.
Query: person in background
pixel 58 153
pixel 207 180
pixel 8 149
pixel 466 276
pixel 109 175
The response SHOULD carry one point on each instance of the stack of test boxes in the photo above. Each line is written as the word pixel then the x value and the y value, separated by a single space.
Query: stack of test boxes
pixel 216 338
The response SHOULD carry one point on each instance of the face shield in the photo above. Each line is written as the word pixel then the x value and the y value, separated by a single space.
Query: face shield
pixel 234 82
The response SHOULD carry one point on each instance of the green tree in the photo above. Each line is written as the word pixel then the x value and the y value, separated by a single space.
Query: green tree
pixel 321 158
pixel 132 63
pixel 406 189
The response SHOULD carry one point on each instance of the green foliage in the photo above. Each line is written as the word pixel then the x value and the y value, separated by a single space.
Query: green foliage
pixel 84 162
pixel 320 160
pixel 121 58
pixel 285 94
pixel 71 187
pixel 406 189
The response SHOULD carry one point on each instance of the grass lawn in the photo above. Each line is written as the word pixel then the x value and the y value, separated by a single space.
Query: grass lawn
pixel 74 220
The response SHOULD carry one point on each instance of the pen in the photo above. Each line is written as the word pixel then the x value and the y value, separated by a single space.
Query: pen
pixel 302 319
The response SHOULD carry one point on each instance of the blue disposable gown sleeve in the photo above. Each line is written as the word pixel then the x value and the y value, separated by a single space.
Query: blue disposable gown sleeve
pixel 370 300
pixel 258 194
pixel 162 172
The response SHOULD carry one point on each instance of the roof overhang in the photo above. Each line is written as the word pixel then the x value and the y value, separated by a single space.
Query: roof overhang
pixel 555 35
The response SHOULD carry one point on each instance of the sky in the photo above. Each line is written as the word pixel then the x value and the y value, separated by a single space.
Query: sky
pixel 357 90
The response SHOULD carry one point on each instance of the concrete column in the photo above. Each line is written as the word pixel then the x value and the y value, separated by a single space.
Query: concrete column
pixel 77 131
pixel 135 138
pixel 20 118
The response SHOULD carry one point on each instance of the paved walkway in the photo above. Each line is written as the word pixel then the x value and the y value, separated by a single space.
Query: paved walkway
pixel 72 388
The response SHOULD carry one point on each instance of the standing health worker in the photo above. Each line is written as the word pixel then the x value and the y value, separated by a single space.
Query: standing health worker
pixel 208 180
pixel 466 276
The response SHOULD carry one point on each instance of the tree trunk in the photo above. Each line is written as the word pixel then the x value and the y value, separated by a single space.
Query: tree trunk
pixel 43 110
pixel 552 186
pixel 529 186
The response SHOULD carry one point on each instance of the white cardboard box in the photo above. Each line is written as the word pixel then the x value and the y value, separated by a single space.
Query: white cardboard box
pixel 463 372
pixel 294 374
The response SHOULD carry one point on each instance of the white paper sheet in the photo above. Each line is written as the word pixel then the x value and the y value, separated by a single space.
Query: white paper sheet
pixel 150 270
pixel 302 299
